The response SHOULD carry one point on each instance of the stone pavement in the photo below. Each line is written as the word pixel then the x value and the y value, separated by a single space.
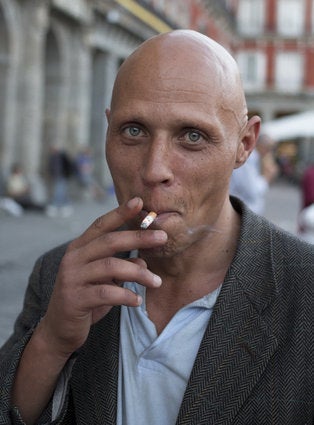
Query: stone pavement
pixel 23 239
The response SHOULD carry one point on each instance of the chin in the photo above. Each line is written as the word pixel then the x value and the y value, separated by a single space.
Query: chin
pixel 160 252
pixel 169 250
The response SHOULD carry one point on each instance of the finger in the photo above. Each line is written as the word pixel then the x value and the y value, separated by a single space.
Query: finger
pixel 110 221
pixel 111 270
pixel 97 296
pixel 111 243
pixel 138 261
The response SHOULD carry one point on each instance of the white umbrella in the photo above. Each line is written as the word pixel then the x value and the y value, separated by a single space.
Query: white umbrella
pixel 290 127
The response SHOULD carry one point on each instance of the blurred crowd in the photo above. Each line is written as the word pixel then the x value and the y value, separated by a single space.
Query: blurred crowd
pixel 18 193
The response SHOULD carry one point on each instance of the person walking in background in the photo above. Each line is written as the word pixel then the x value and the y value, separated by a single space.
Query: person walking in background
pixel 84 165
pixel 306 216
pixel 84 168
pixel 18 188
pixel 251 181
pixel 60 169
pixel 307 186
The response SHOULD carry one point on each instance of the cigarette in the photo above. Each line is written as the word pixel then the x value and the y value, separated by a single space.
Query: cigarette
pixel 148 220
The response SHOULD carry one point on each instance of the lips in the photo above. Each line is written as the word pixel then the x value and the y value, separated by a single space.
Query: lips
pixel 162 216
pixel 145 211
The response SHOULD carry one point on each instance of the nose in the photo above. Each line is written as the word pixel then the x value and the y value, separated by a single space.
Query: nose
pixel 157 165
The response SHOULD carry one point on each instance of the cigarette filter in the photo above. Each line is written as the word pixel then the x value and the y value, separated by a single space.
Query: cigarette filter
pixel 148 220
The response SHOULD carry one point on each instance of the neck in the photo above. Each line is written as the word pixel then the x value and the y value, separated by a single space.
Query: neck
pixel 192 274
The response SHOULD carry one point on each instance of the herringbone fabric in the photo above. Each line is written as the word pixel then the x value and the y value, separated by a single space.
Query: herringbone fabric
pixel 255 362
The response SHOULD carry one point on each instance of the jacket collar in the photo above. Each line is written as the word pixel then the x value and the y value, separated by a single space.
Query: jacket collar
pixel 253 265
pixel 238 342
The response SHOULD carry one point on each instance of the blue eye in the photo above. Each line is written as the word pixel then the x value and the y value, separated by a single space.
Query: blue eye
pixel 193 136
pixel 133 131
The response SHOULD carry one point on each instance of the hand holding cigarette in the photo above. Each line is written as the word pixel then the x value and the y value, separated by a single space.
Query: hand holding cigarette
pixel 96 272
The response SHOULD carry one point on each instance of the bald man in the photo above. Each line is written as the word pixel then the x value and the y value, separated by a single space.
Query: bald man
pixel 203 317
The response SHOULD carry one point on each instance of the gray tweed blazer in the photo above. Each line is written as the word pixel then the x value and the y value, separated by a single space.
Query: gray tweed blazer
pixel 254 365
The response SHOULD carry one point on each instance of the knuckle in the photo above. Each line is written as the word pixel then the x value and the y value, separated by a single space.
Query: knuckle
pixel 69 270
pixel 71 246
pixel 120 211
pixel 68 259
pixel 63 270
pixel 140 234
pixel 108 239
pixel 111 295
pixel 121 214
pixel 103 291
pixel 142 272
pixel 98 223
pixel 129 297
pixel 139 262
pixel 108 262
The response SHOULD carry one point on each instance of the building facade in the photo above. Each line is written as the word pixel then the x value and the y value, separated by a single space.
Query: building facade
pixel 59 58
pixel 58 61
pixel 274 46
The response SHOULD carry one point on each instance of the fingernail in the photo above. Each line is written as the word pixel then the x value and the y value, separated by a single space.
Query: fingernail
pixel 132 203
pixel 157 280
pixel 160 235
pixel 139 300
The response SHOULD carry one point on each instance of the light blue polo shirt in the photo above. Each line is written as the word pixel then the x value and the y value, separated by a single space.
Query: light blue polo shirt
pixel 154 369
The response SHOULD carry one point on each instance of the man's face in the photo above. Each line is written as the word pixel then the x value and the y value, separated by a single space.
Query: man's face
pixel 170 142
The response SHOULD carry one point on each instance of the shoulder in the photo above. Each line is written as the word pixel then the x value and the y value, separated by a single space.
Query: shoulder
pixel 264 243
pixel 274 269
pixel 55 255
pixel 45 270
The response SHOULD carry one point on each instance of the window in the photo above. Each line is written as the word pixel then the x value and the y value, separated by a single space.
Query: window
pixel 252 66
pixel 251 17
pixel 290 17
pixel 289 71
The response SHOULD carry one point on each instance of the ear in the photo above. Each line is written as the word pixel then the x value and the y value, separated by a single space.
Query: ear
pixel 249 136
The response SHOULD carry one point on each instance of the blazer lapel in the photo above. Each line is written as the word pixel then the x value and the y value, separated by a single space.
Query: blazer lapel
pixel 238 342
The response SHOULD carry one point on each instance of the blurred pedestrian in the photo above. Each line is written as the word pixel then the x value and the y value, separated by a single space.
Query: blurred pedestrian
pixel 60 169
pixel 18 189
pixel 306 216
pixel 251 181
pixel 85 173
pixel 307 186
pixel 306 223
pixel 84 163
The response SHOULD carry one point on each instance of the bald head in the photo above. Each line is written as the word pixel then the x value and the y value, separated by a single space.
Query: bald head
pixel 177 128
pixel 183 57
